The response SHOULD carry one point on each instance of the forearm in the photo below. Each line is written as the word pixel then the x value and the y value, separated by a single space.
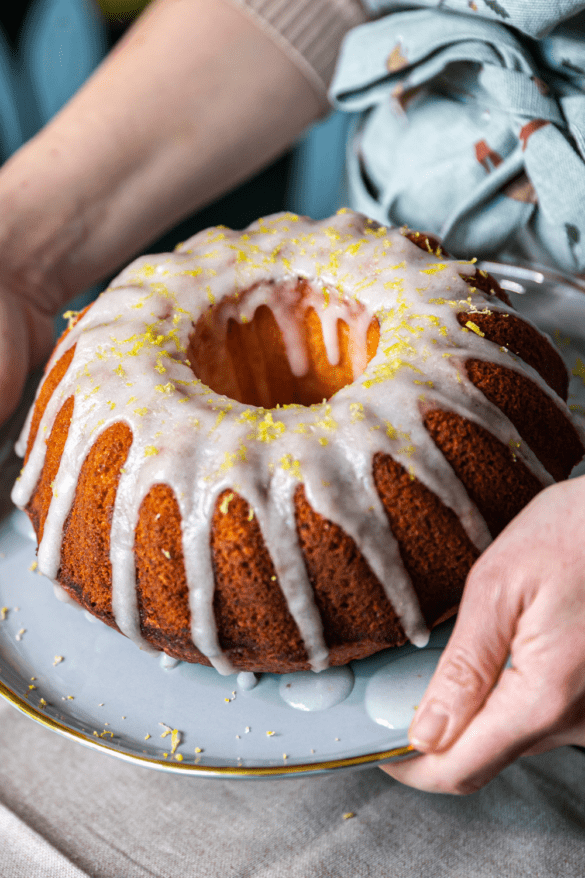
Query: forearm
pixel 192 101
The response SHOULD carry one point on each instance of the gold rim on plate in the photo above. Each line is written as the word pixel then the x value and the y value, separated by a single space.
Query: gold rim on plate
pixel 194 767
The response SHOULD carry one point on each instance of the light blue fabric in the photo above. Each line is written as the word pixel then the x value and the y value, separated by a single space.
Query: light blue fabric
pixel 62 42
pixel 316 182
pixel 464 128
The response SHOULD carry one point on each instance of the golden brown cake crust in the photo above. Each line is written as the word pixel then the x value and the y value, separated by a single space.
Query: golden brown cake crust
pixel 255 627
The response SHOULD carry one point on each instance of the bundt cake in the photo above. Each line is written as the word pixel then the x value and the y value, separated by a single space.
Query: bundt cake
pixel 283 448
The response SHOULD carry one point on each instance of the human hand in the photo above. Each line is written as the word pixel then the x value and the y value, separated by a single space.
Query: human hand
pixel 524 598
pixel 26 339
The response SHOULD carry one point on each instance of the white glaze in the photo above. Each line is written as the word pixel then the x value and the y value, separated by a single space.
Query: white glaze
pixel 304 690
pixel 64 597
pixel 168 663
pixel 247 680
pixel 131 346
pixel 394 692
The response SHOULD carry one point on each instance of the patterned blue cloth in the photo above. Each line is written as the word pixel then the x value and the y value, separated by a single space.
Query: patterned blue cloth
pixel 469 127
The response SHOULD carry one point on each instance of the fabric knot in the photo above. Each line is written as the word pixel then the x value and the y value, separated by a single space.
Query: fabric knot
pixel 459 131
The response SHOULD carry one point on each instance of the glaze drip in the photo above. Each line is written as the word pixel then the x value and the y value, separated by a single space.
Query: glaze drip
pixel 131 364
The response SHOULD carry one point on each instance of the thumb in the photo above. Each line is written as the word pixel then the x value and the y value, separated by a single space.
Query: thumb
pixel 469 666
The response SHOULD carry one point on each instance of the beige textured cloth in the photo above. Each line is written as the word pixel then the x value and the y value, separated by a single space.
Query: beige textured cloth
pixel 69 812
pixel 309 31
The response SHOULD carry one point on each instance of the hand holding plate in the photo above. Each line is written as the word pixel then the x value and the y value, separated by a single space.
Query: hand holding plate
pixel 511 680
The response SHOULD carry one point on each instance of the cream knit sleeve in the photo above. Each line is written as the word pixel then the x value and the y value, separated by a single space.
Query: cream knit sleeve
pixel 309 31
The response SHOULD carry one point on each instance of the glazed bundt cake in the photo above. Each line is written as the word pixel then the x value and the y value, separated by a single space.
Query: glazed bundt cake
pixel 283 448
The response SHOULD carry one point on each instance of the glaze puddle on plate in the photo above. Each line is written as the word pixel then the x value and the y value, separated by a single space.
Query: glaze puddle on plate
pixel 394 692
pixel 308 691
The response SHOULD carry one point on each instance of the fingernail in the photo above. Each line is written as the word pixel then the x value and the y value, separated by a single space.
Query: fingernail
pixel 428 726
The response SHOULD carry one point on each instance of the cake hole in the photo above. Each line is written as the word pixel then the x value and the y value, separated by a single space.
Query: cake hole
pixel 283 343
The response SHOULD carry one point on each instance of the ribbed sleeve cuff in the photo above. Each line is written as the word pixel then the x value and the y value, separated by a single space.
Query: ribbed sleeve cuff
pixel 309 31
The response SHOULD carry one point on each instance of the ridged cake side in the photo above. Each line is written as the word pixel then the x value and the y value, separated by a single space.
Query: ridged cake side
pixel 382 513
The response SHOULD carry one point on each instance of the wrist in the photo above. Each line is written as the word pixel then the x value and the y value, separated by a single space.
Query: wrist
pixel 33 237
